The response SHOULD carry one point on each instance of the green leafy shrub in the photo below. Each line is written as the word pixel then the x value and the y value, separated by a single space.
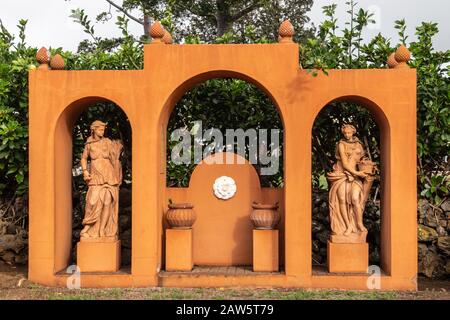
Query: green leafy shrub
pixel 15 60
pixel 328 48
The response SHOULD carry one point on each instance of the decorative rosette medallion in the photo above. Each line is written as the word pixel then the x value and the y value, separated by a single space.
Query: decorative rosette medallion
pixel 224 187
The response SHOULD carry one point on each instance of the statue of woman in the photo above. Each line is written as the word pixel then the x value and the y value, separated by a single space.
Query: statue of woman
pixel 349 188
pixel 103 178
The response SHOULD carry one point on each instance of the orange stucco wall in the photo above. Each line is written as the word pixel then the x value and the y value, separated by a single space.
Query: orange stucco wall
pixel 147 97
pixel 223 231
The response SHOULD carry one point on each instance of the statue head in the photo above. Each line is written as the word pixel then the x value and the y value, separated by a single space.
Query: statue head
pixel 348 130
pixel 98 129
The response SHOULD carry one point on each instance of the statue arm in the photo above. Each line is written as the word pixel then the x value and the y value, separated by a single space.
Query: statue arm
pixel 83 162
pixel 84 158
pixel 345 163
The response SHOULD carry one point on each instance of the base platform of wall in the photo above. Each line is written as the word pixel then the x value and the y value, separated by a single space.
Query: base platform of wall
pixel 237 276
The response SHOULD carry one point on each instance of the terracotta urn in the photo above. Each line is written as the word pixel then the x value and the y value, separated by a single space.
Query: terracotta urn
pixel 265 216
pixel 181 215
pixel 367 166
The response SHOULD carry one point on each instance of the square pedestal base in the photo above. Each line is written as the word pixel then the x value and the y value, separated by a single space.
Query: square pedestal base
pixel 179 250
pixel 265 250
pixel 98 256
pixel 348 257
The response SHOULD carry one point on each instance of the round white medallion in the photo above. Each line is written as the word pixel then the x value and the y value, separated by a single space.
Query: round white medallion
pixel 224 187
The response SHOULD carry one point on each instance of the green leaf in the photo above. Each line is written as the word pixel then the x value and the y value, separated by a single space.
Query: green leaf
pixel 19 178
pixel 11 170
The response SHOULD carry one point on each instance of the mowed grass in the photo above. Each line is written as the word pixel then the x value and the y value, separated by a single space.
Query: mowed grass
pixel 45 293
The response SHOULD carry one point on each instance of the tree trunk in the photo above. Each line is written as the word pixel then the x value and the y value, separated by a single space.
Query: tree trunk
pixel 222 18
pixel 222 26
pixel 146 26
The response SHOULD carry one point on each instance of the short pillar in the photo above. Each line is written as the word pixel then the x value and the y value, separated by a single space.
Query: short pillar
pixel 179 250
pixel 348 257
pixel 96 256
pixel 265 250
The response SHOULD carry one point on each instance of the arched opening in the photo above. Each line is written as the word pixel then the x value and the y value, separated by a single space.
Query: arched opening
pixel 239 110
pixel 225 104
pixel 372 132
pixel 71 133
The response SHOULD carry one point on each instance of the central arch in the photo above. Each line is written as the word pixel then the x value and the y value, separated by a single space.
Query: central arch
pixel 196 79
pixel 265 194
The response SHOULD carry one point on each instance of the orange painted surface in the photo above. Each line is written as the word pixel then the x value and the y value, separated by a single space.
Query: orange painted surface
pixel 348 257
pixel 265 250
pixel 229 228
pixel 98 256
pixel 223 230
pixel 179 250
pixel 148 96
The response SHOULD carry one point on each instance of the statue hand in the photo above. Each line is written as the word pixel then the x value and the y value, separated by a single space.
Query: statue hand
pixel 86 176
pixel 361 174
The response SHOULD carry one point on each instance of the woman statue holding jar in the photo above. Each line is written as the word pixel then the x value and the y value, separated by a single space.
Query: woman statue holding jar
pixel 350 182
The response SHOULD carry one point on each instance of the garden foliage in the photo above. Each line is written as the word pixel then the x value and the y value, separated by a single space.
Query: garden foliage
pixel 232 103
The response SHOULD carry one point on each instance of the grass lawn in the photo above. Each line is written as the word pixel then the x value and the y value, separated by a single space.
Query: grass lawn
pixel 32 291
pixel 13 285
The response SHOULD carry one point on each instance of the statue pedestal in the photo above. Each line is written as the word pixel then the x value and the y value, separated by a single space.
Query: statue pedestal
pixel 265 250
pixel 359 237
pixel 179 250
pixel 98 256
pixel 348 257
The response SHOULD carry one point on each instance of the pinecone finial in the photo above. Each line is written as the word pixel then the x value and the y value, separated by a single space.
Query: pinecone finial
pixel 402 56
pixel 43 57
pixel 57 62
pixel 157 32
pixel 391 62
pixel 286 32
pixel 167 38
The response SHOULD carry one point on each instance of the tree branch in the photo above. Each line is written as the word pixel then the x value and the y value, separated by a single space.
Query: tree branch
pixel 125 12
pixel 246 10
pixel 201 14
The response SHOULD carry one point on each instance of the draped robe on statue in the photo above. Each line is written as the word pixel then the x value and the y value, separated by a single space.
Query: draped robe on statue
pixel 103 192
pixel 340 178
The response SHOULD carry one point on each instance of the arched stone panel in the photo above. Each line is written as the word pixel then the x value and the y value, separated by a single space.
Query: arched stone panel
pixel 196 79
pixel 146 95
pixel 382 122
pixel 223 230
pixel 179 90
pixel 63 178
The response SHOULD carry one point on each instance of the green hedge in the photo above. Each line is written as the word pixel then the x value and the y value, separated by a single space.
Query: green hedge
pixel 329 48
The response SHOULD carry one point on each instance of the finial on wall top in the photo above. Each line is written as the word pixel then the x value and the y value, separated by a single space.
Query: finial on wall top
pixel 157 32
pixel 57 62
pixel 391 62
pixel 167 38
pixel 286 32
pixel 402 56
pixel 43 57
